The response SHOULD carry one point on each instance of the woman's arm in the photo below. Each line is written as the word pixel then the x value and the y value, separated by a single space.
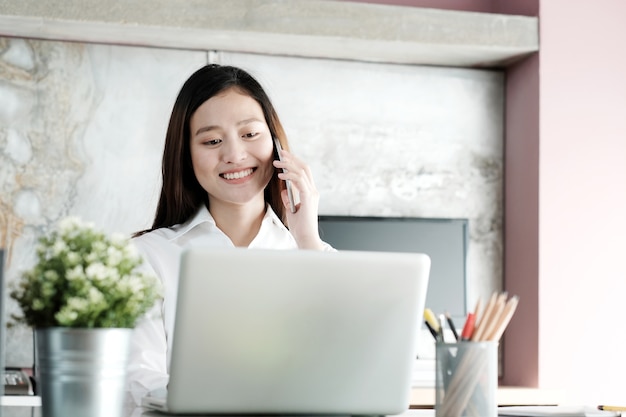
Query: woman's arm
pixel 147 367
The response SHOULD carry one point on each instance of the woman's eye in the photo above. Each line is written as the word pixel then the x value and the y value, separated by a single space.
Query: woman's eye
pixel 212 142
pixel 250 135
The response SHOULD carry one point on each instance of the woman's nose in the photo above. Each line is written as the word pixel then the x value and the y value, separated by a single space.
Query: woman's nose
pixel 233 150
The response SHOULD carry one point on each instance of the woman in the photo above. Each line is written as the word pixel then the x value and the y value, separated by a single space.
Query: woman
pixel 223 186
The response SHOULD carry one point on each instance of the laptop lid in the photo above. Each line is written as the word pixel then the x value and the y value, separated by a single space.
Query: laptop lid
pixel 269 331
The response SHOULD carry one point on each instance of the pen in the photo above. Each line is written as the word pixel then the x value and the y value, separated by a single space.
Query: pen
pixel 429 316
pixel 442 323
pixel 612 407
pixel 468 328
pixel 430 328
pixel 451 324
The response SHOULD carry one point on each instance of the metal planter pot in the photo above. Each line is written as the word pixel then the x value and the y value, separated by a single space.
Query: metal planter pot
pixel 82 372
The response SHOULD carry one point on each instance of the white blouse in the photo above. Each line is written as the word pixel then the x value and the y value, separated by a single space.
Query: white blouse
pixel 161 249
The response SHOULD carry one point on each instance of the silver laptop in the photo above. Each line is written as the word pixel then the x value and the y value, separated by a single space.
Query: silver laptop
pixel 295 332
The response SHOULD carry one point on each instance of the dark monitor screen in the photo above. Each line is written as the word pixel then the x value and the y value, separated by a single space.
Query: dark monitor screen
pixel 444 240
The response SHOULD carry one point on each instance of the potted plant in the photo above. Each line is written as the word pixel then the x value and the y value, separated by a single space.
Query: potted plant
pixel 82 298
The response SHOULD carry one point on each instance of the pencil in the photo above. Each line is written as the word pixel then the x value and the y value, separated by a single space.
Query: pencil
pixel 479 306
pixel 483 322
pixel 612 407
pixel 479 303
pixel 494 318
pixel 505 318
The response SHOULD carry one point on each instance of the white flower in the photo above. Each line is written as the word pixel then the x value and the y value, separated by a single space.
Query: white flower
pixel 92 257
pixel 68 224
pixel 48 289
pixel 77 304
pixel 66 316
pixel 114 256
pixel 95 296
pixel 97 272
pixel 51 275
pixel 75 274
pixel 38 304
pixel 135 284
pixel 99 247
pixel 59 247
pixel 73 258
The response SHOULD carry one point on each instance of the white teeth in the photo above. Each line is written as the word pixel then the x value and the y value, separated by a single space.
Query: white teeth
pixel 237 175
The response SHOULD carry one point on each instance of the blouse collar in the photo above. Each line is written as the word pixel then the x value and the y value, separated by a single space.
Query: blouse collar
pixel 203 216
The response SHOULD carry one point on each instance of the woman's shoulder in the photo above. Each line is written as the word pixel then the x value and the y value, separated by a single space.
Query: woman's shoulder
pixel 160 233
pixel 173 232
pixel 153 244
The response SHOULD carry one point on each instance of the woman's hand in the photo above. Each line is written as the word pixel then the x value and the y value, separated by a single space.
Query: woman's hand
pixel 303 223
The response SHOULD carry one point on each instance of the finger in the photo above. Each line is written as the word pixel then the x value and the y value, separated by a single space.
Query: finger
pixel 294 168
pixel 299 180
pixel 289 161
pixel 284 195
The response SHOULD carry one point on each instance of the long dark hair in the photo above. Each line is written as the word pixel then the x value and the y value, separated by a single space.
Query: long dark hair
pixel 181 193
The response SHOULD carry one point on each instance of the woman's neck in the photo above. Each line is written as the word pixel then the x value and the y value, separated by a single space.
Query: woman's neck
pixel 240 222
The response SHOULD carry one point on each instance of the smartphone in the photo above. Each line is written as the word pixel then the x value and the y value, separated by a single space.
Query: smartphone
pixel 292 204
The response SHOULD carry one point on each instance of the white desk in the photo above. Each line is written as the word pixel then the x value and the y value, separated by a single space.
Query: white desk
pixel 425 397
pixel 20 401
pixel 422 402
pixel 421 398
pixel 17 411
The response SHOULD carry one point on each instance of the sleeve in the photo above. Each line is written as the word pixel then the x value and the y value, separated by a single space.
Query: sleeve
pixel 147 367
pixel 328 248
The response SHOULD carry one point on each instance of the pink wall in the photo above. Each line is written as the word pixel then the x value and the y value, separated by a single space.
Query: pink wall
pixel 521 211
pixel 521 222
pixel 582 199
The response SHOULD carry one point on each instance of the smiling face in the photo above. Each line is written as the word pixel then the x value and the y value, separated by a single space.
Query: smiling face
pixel 231 148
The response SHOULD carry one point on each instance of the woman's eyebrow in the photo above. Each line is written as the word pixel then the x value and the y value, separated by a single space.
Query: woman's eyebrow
pixel 205 129
pixel 249 120
pixel 239 123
